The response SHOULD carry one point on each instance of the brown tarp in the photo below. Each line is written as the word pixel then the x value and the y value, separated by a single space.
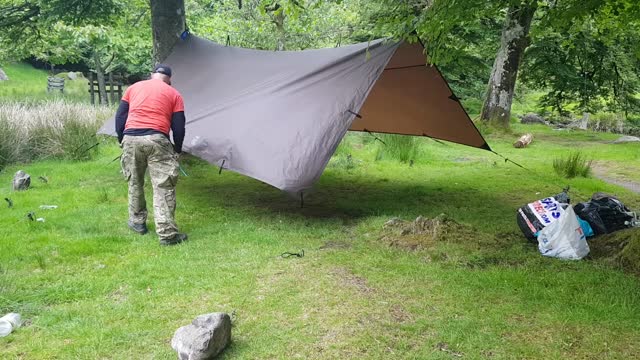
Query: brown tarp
pixel 411 98
pixel 279 116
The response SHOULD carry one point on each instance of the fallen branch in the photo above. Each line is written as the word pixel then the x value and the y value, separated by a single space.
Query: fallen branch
pixel 524 140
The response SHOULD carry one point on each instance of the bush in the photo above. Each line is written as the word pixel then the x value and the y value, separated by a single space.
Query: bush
pixel 607 122
pixel 48 130
pixel 397 147
pixel 575 164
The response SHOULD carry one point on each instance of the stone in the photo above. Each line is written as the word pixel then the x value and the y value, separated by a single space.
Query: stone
pixel 581 124
pixel 205 338
pixel 21 181
pixel 625 139
pixel 72 76
pixel 532 118
pixel 393 222
pixel 3 76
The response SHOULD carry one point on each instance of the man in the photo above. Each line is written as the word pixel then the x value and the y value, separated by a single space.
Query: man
pixel 148 111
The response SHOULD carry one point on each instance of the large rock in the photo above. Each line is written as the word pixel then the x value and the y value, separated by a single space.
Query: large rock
pixel 532 118
pixel 21 181
pixel 204 339
pixel 3 76
pixel 582 124
pixel 624 139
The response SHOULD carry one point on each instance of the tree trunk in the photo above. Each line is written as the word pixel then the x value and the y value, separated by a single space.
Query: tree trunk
pixel 167 24
pixel 278 20
pixel 497 105
pixel 102 84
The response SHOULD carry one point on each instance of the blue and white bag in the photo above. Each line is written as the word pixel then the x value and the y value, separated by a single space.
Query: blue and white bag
pixel 564 238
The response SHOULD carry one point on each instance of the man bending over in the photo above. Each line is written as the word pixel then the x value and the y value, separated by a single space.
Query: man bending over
pixel 148 111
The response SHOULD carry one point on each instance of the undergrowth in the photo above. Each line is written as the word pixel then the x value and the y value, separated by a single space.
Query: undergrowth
pixel 397 147
pixel 573 165
pixel 51 130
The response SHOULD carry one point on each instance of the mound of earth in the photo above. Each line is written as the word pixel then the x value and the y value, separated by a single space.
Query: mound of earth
pixel 621 248
pixel 424 233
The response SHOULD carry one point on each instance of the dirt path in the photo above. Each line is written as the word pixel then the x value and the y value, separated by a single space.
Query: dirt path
pixel 602 173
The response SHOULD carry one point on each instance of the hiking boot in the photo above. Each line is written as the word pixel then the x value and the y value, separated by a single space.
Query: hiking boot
pixel 174 240
pixel 139 228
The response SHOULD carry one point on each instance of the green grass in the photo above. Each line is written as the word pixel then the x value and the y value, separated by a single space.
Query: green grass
pixel 27 84
pixel 572 165
pixel 396 147
pixel 89 288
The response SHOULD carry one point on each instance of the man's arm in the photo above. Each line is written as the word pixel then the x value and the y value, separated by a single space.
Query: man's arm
pixel 177 126
pixel 121 119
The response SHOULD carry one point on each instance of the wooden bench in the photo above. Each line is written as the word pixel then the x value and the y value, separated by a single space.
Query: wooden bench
pixel 55 83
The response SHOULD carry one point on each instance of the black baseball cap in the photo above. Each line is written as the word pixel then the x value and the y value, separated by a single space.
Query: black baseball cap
pixel 162 69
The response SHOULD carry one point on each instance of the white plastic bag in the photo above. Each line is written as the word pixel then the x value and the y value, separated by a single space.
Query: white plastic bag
pixel 564 238
pixel 8 323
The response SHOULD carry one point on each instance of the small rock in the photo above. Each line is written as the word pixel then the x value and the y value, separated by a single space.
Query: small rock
pixel 3 76
pixel 532 118
pixel 204 339
pixel 393 222
pixel 72 76
pixel 21 181
pixel 625 139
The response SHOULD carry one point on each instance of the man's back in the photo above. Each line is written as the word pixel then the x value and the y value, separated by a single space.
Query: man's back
pixel 151 105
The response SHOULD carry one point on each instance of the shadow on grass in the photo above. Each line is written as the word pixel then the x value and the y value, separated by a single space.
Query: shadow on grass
pixel 349 198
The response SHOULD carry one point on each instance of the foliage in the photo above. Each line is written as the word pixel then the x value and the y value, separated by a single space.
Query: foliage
pixel 609 122
pixel 116 38
pixel 404 149
pixel 573 165
pixel 27 24
pixel 262 24
pixel 591 66
pixel 49 130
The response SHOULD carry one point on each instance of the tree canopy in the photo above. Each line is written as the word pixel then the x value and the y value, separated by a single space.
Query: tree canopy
pixel 583 55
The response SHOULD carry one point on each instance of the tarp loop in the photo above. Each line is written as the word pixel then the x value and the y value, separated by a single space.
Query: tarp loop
pixel 355 113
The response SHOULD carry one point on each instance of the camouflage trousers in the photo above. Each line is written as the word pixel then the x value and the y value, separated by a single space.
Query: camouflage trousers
pixel 156 153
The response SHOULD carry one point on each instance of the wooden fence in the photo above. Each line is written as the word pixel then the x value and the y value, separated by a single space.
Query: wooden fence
pixel 114 85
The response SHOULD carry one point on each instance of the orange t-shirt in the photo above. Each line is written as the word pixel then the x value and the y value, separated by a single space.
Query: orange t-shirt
pixel 151 105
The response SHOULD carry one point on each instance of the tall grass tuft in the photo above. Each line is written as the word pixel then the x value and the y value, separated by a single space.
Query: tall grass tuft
pixel 397 147
pixel 48 130
pixel 575 164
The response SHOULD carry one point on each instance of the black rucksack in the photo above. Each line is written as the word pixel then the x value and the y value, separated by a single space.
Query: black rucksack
pixel 605 214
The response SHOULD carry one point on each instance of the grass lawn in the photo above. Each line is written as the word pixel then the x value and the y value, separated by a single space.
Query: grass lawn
pixel 27 84
pixel 91 289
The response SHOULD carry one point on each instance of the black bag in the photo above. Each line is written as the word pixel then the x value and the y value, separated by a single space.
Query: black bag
pixel 605 214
